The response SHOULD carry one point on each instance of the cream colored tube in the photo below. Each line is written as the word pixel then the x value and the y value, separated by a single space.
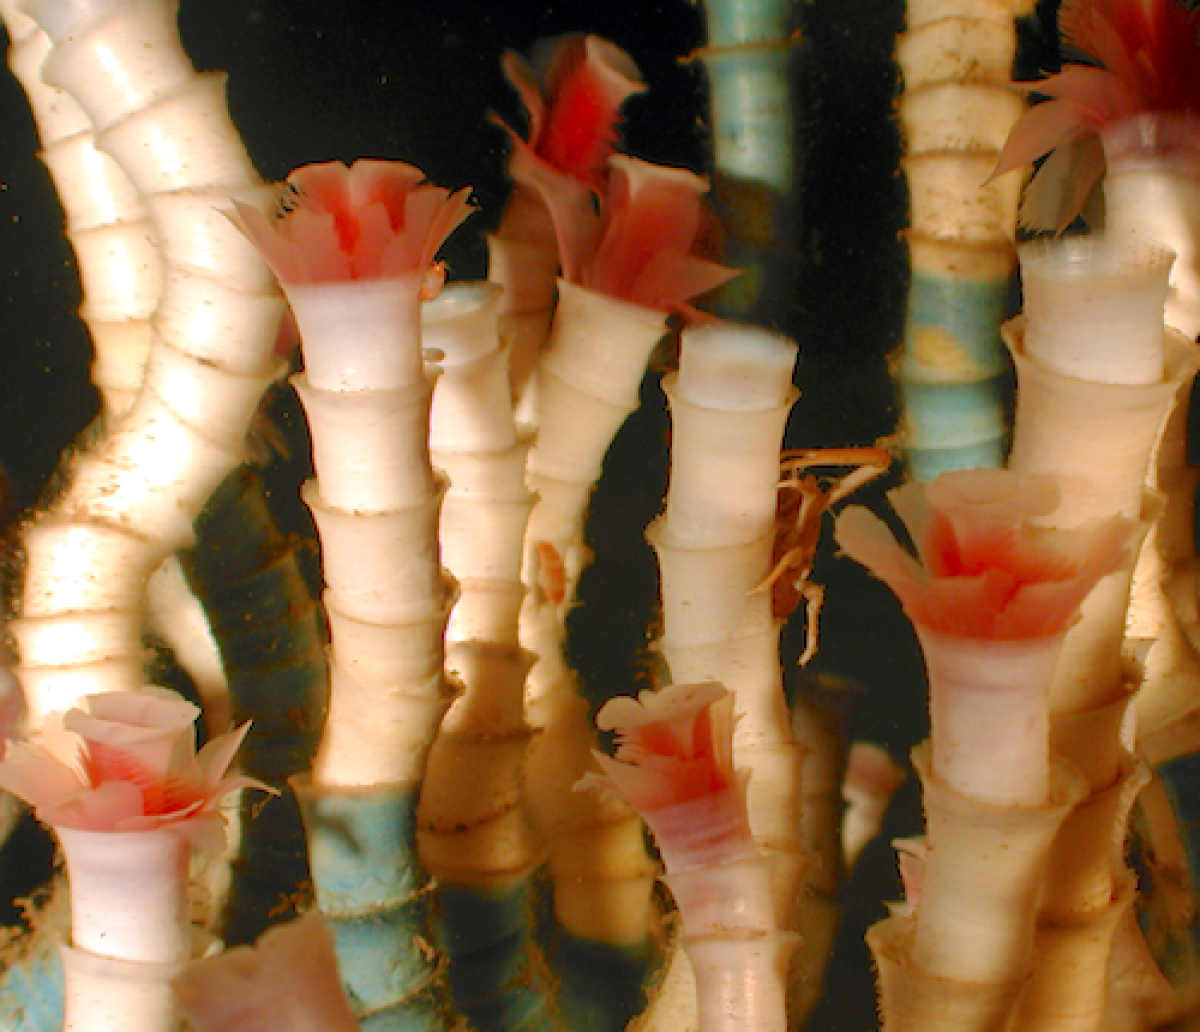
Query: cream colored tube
pixel 102 994
pixel 974 922
pixel 1155 197
pixel 108 225
pixel 729 404
pixel 998 693
pixel 1161 205
pixel 468 835
pixel 1098 377
pixel 1091 430
pixel 169 132
pixel 376 502
pixel 586 386
pixel 1067 990
pixel 474 439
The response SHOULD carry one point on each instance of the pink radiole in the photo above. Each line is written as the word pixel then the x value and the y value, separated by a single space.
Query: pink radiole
pixel 371 220
pixel 1140 89
pixel 128 762
pixel 573 121
pixel 674 765
pixel 640 247
pixel 986 571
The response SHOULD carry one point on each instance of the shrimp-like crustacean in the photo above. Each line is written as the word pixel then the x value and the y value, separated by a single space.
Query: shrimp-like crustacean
pixel 804 498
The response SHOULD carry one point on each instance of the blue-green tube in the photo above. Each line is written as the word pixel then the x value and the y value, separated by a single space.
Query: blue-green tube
pixel 31 989
pixel 374 897
pixel 272 643
pixel 497 981
pixel 748 60
pixel 603 987
pixel 953 372
pixel 953 426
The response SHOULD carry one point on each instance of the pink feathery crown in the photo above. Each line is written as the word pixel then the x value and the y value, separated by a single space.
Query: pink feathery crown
pixel 1130 59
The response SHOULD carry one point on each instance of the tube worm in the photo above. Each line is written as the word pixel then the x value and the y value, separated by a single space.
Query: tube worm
pixel 474 836
pixel 1098 376
pixel 990 600
pixel 1128 119
pixel 956 111
pixel 729 405
pixel 353 248
pixel 747 57
pixel 716 549
pixel 122 278
pixel 131 501
pixel 675 765
pixel 289 979
pixel 571 134
pixel 128 799
pixel 623 269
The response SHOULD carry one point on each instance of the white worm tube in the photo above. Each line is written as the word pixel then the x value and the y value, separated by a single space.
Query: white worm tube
pixel 729 404
pixel 956 112
pixel 129 894
pixel 1099 377
pixel 109 228
pixel 1066 992
pixel 376 500
pixel 1090 413
pixel 982 878
pixel 469 836
pixel 586 387
pixel 1153 195
pixel 169 132
pixel 995 692
pixel 102 994
pixel 1094 308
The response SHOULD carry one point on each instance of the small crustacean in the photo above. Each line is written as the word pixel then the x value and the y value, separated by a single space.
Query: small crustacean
pixel 804 497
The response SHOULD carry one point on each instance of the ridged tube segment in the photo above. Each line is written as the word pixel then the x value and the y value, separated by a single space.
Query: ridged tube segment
pixel 474 835
pixel 374 896
pixel 272 642
pixel 587 386
pixel 956 111
pixel 729 405
pixel 109 228
pixel 169 132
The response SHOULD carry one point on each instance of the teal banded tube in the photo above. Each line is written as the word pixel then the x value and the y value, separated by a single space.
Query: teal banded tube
pixel 952 426
pixel 268 629
pixel 953 373
pixel 496 981
pixel 953 326
pixel 603 987
pixel 373 895
pixel 748 59
pixel 732 23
